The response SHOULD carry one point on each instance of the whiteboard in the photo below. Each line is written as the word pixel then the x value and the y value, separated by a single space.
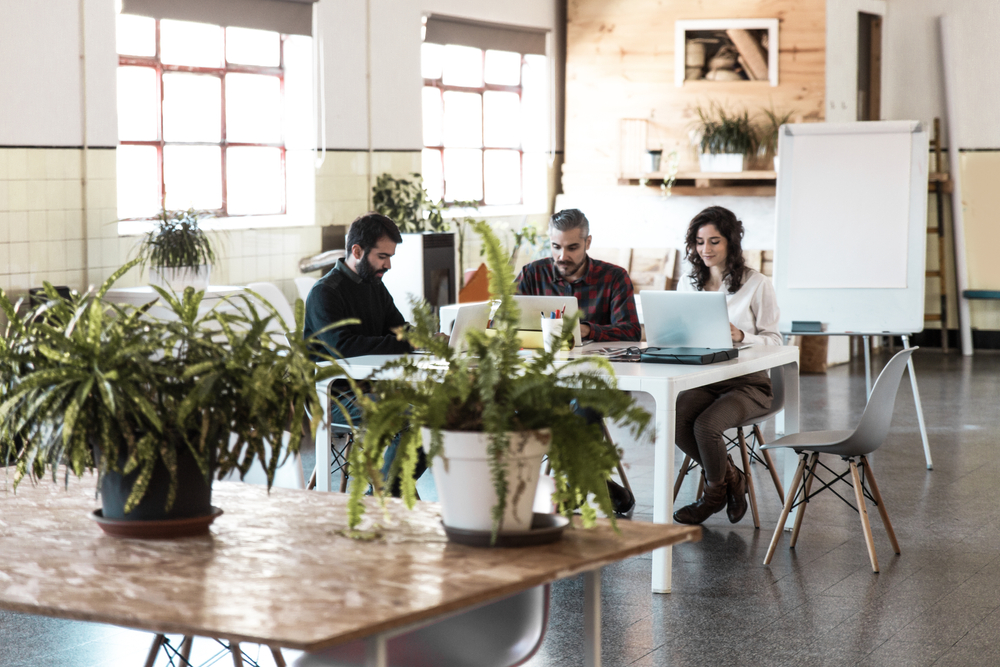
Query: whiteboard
pixel 851 237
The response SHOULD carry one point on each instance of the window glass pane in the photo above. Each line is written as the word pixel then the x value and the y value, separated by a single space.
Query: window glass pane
pixel 535 168
pixel 463 174
pixel 535 117
pixel 137 108
pixel 503 68
pixel 192 177
pixel 194 44
pixel 503 177
pixel 253 108
pixel 433 111
pixel 463 66
pixel 136 35
pixel 463 119
pixel 138 182
pixel 255 181
pixel 430 169
pixel 253 47
pixel 430 60
pixel 192 107
pixel 501 119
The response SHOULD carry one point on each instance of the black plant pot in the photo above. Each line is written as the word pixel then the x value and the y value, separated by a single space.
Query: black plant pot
pixel 194 492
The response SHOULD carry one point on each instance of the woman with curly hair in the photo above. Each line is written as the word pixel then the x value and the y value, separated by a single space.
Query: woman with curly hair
pixel 716 256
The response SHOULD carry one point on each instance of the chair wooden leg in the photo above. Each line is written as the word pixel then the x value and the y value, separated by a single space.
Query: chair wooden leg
pixel 870 476
pixel 806 488
pixel 769 461
pixel 234 649
pixel 279 660
pixel 745 454
pixel 701 487
pixel 681 474
pixel 789 499
pixel 859 496
pixel 186 645
pixel 154 650
pixel 312 480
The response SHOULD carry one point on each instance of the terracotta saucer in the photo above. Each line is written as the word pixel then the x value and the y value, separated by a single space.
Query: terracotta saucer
pixel 545 529
pixel 157 530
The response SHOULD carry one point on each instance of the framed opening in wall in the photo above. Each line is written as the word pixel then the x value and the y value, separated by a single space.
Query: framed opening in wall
pixel 730 50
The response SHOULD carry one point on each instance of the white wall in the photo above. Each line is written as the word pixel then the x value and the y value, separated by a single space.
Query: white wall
pixel 912 76
pixel 842 56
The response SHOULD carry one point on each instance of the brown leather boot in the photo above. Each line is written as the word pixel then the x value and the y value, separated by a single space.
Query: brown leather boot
pixel 736 492
pixel 711 501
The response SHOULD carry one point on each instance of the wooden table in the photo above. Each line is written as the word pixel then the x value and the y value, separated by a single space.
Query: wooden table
pixel 663 382
pixel 278 571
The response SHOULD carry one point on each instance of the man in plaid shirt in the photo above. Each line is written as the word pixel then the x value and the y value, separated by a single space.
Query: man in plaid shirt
pixel 603 291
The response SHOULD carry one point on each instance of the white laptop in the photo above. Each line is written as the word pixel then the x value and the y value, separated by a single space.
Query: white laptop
pixel 533 307
pixel 686 319
pixel 470 316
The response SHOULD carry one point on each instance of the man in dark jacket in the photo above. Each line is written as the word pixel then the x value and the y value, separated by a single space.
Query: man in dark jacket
pixel 353 289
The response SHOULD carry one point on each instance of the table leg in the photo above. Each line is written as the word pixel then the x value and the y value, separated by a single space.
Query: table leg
pixel 376 651
pixel 790 425
pixel 592 618
pixel 665 414
pixel 920 409
pixel 323 444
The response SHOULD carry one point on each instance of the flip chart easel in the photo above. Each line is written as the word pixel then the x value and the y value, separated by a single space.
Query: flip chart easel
pixel 851 240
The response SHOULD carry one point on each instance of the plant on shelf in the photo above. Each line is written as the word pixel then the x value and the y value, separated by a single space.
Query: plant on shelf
pixel 177 251
pixel 502 401
pixel 768 132
pixel 156 405
pixel 720 132
pixel 406 203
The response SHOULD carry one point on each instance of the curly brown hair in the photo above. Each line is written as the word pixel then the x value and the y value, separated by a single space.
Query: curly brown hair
pixel 732 229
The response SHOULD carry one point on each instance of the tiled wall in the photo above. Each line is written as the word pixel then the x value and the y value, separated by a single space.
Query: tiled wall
pixel 42 234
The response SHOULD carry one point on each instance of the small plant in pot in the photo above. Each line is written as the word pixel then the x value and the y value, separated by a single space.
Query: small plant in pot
pixel 178 252
pixel 486 418
pixel 724 138
pixel 156 406
pixel 769 129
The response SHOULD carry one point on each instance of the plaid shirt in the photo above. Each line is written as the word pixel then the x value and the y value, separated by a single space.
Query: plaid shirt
pixel 604 295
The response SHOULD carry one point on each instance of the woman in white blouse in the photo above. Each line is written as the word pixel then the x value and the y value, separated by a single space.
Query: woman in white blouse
pixel 716 257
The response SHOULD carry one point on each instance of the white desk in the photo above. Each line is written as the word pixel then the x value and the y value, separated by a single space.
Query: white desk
pixel 140 296
pixel 663 382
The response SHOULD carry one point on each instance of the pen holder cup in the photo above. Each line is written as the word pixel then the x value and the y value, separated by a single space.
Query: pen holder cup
pixel 551 331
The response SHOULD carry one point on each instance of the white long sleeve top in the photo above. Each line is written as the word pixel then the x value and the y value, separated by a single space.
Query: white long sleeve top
pixel 753 308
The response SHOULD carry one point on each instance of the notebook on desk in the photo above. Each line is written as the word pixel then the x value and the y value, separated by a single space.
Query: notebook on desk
pixel 686 327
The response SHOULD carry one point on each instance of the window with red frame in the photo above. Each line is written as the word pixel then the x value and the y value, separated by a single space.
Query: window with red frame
pixel 484 123
pixel 200 111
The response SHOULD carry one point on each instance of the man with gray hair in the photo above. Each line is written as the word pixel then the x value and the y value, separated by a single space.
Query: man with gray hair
pixel 603 291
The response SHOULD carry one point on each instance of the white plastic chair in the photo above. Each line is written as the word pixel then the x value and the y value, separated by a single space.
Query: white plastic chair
pixel 851 446
pixel 274 296
pixel 498 634
pixel 303 285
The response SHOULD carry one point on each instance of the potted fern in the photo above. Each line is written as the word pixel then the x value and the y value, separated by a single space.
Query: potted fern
pixel 497 406
pixel 769 132
pixel 178 251
pixel 156 406
pixel 724 138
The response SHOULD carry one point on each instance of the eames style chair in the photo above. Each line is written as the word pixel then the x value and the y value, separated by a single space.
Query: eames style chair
pixel 303 285
pixel 854 448
pixel 498 634
pixel 748 451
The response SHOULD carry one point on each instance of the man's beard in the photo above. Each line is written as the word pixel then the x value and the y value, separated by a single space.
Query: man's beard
pixel 367 272
pixel 568 269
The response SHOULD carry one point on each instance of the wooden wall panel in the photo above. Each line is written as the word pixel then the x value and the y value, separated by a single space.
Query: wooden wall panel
pixel 620 64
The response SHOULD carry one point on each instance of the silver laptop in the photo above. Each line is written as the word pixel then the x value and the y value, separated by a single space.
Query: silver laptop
pixel 471 316
pixel 686 319
pixel 533 307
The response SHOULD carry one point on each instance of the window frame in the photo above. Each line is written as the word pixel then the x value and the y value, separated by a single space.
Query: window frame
pixel 483 148
pixel 155 63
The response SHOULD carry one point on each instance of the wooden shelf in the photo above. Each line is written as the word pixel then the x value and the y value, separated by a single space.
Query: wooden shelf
pixel 702 184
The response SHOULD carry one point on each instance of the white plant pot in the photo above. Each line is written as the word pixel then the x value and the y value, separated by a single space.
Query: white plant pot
pixel 720 162
pixel 178 279
pixel 465 485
